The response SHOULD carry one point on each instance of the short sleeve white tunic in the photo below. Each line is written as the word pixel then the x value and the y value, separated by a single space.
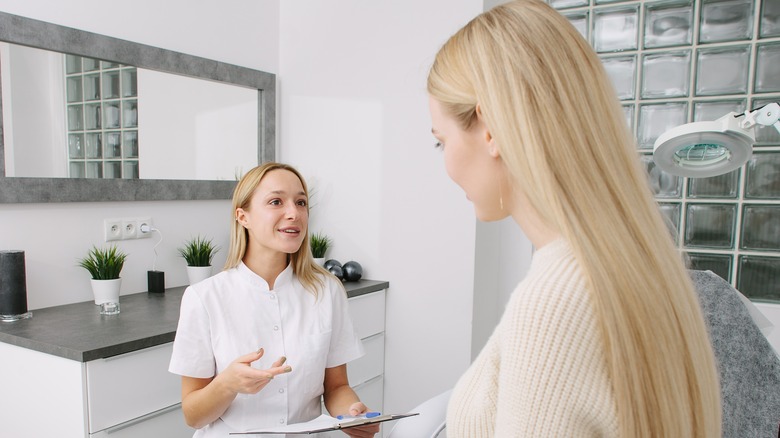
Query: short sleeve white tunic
pixel 235 313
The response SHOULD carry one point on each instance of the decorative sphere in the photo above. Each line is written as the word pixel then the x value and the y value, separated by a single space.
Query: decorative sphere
pixel 352 271
pixel 331 262
pixel 337 271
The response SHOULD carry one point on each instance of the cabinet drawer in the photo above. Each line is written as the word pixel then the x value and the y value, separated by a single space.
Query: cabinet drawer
pixel 129 386
pixel 368 313
pixel 167 423
pixel 372 364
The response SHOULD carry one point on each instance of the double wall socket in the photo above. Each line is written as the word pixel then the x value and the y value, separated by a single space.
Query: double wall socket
pixel 127 228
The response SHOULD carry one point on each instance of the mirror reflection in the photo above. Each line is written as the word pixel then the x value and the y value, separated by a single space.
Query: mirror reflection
pixel 78 117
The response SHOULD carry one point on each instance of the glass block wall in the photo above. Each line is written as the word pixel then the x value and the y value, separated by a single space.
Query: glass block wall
pixel 102 118
pixel 673 62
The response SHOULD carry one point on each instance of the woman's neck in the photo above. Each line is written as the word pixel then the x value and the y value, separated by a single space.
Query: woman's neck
pixel 267 264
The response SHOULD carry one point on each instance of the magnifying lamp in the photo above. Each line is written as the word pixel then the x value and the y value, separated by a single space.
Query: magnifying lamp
pixel 704 149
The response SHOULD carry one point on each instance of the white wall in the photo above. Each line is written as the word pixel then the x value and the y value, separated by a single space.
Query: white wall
pixel 354 118
pixel 54 236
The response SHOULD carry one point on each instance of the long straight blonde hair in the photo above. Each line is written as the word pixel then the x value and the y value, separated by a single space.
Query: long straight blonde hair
pixel 308 272
pixel 560 131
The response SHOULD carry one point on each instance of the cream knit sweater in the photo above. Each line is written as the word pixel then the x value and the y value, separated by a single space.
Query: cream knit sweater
pixel 543 371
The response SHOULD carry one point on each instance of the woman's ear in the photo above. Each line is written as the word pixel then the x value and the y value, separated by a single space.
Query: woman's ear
pixel 241 217
pixel 488 137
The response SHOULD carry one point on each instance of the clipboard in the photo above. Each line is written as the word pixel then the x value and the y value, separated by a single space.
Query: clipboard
pixel 324 423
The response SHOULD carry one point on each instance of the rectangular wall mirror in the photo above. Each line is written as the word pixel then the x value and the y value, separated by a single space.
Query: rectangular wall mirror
pixel 86 117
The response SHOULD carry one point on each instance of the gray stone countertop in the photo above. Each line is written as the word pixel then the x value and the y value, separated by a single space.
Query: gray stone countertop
pixel 79 332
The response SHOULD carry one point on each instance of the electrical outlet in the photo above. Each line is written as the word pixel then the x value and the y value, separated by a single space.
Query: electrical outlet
pixel 144 227
pixel 129 229
pixel 112 228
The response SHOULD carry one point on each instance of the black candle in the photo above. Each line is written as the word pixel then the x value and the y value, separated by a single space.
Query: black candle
pixel 156 281
pixel 13 283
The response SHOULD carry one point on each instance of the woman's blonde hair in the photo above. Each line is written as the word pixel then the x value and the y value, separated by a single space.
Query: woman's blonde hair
pixel 310 274
pixel 560 131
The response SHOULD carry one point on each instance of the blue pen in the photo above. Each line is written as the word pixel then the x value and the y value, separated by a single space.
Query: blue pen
pixel 353 417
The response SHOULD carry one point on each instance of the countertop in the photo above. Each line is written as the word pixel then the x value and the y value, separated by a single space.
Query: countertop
pixel 79 332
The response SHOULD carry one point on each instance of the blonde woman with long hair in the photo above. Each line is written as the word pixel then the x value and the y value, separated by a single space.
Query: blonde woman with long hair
pixel 260 342
pixel 604 336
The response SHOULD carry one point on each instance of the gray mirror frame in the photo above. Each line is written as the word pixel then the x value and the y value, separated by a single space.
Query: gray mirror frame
pixel 39 34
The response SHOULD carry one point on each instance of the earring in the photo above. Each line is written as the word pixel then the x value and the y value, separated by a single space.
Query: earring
pixel 500 194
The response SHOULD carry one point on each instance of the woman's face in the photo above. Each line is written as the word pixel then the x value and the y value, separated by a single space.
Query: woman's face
pixel 472 161
pixel 278 216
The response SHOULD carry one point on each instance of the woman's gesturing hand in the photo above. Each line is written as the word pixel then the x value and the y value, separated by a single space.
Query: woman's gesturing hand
pixel 239 377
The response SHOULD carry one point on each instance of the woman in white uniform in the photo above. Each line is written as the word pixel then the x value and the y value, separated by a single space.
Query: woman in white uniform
pixel 260 342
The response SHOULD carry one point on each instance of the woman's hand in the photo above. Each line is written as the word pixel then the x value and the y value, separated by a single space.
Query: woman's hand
pixel 240 378
pixel 367 431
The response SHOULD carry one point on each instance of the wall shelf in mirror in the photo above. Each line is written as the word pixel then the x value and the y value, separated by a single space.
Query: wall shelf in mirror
pixel 158 179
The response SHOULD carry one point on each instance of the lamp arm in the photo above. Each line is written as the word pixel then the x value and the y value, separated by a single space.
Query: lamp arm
pixel 767 115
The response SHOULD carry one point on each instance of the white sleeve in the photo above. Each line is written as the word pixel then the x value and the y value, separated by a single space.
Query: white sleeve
pixel 345 346
pixel 193 355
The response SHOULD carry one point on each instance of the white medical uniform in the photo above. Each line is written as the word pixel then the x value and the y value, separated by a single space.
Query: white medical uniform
pixel 234 313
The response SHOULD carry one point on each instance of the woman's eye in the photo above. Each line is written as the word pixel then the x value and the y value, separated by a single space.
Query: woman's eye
pixel 275 202
pixel 302 203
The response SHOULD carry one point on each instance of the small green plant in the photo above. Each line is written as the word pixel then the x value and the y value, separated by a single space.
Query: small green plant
pixel 104 264
pixel 198 251
pixel 319 245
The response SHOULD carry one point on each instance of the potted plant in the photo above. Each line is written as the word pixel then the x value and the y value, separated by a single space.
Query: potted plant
pixel 319 246
pixel 198 252
pixel 104 265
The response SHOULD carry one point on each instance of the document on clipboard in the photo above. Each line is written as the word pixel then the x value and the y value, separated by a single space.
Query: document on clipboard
pixel 325 423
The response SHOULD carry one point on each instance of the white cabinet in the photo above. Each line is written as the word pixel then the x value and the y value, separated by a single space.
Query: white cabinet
pixel 365 374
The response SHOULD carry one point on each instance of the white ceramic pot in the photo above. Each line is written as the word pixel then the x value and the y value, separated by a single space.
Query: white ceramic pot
pixel 320 261
pixel 198 273
pixel 106 294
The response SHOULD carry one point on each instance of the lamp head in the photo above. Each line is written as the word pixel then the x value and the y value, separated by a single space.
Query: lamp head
pixel 705 149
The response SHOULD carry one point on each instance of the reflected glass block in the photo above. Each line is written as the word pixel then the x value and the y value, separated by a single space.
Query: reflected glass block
pixel 91 87
pixel 671 215
pixel 76 169
pixel 92 118
pixel 662 184
pixel 75 117
pixel 666 74
pixel 767 68
pixel 762 180
pixel 710 225
pixel 113 145
pixel 603 2
pixel 130 113
pixel 726 20
pixel 719 264
pixel 656 119
pixel 111 115
pixel 94 142
pixel 628 111
pixel 713 110
pixel 615 29
pixel 563 4
pixel 72 64
pixel 668 24
pixel 765 134
pixel 111 85
pixel 622 73
pixel 129 82
pixel 75 146
pixel 94 169
pixel 74 90
pixel 130 170
pixel 757 277
pixel 90 64
pixel 721 186
pixel 770 18
pixel 130 141
pixel 722 71
pixel 109 64
pixel 113 169
pixel 760 227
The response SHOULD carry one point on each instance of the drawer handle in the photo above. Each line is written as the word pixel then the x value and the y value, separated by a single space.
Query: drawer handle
pixel 142 418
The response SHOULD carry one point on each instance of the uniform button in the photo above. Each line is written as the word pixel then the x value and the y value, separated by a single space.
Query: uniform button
pixel 281 391
pixel 276 327
pixel 273 297
pixel 281 421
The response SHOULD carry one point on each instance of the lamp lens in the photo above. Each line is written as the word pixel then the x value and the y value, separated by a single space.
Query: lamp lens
pixel 702 154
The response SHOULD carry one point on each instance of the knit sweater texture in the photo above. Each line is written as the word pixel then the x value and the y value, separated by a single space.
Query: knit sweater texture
pixel 543 372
